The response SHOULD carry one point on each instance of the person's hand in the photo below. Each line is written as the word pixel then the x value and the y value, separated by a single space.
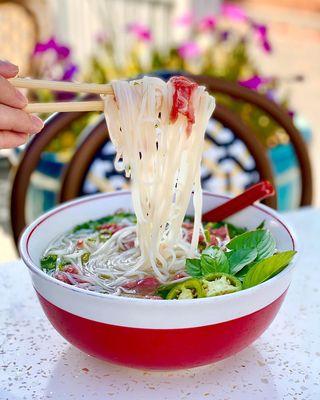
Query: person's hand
pixel 15 124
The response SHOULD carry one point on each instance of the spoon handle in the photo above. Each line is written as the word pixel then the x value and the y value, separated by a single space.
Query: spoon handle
pixel 256 192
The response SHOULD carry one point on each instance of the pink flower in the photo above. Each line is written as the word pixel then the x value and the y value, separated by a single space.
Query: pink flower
pixel 140 31
pixel 62 52
pixel 207 23
pixel 189 50
pixel 233 11
pixel 262 34
pixel 255 82
pixel 185 19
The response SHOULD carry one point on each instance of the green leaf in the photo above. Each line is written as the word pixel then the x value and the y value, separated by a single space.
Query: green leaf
pixel 213 259
pixel 49 262
pixel 267 268
pixel 232 229
pixel 235 230
pixel 240 258
pixel 261 226
pixel 109 219
pixel 261 240
pixel 193 267
pixel 243 272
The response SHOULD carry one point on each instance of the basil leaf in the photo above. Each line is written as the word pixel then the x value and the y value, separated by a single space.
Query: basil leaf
pixel 235 230
pixel 240 258
pixel 49 262
pixel 261 240
pixel 213 259
pixel 193 267
pixel 243 272
pixel 267 268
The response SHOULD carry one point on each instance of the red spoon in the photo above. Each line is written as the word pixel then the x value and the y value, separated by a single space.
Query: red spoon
pixel 256 192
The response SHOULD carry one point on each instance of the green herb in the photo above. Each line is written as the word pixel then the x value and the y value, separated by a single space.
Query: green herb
pixel 261 226
pixel 213 259
pixel 110 219
pixel 88 225
pixel 267 268
pixel 232 229
pixel 49 262
pixel 193 267
pixel 243 272
pixel 261 240
pixel 85 258
pixel 239 258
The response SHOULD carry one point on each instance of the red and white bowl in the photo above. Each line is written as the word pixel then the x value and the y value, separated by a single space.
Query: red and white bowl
pixel 154 334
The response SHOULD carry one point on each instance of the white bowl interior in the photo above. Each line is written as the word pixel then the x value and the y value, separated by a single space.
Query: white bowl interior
pixel 65 217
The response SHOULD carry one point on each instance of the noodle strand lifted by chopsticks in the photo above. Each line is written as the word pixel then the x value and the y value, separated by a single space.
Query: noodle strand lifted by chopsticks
pixel 162 157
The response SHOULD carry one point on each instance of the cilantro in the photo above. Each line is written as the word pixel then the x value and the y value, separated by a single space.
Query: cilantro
pixel 49 262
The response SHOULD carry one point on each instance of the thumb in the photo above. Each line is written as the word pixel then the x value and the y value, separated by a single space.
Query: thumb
pixel 8 70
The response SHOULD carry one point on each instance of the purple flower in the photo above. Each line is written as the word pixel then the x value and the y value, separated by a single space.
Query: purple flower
pixel 64 96
pixel 140 31
pixel 261 32
pixel 232 11
pixel 207 23
pixel 185 19
pixel 189 50
pixel 224 35
pixel 69 72
pixel 61 51
pixel 254 82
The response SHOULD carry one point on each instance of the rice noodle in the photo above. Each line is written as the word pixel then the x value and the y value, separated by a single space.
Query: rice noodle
pixel 162 158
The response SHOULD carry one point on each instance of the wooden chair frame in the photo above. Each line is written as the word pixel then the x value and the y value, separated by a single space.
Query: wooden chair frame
pixel 278 114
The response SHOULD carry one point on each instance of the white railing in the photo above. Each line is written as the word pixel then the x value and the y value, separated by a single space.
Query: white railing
pixel 78 22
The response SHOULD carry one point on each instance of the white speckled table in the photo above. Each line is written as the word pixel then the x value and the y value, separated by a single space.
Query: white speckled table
pixel 37 363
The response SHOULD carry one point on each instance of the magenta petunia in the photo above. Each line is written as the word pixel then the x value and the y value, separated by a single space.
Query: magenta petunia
pixel 62 51
pixel 140 31
pixel 261 32
pixel 69 72
pixel 233 11
pixel 189 50
pixel 207 24
pixel 185 19
pixel 255 82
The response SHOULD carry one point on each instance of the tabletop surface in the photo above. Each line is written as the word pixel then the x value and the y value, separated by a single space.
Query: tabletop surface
pixel 284 363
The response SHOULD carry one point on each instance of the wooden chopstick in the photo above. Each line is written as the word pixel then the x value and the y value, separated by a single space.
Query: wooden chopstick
pixel 68 106
pixel 72 106
pixel 61 86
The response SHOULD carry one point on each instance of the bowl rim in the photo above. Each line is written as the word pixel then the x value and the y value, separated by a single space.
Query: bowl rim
pixel 31 228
